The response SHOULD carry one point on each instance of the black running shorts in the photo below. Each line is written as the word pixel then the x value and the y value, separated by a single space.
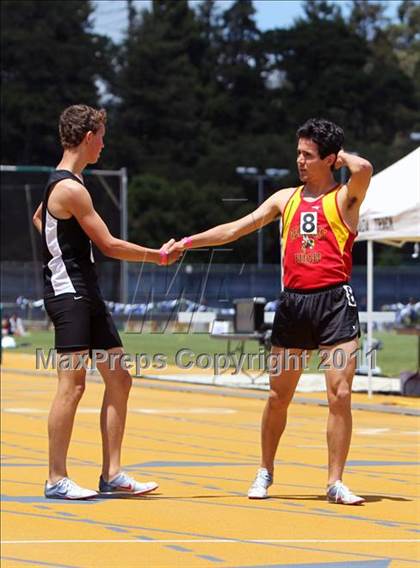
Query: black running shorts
pixel 308 319
pixel 81 323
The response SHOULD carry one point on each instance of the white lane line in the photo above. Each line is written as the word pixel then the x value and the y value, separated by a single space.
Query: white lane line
pixel 216 541
pixel 210 410
pixel 371 431
pixel 87 410
pixel 378 445
pixel 25 410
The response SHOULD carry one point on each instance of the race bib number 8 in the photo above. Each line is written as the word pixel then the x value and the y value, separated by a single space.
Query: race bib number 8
pixel 309 223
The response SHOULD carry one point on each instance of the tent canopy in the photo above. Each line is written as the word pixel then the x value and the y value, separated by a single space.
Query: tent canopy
pixel 390 212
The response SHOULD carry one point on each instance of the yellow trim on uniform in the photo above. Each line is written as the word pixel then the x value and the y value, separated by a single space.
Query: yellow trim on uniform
pixel 289 212
pixel 333 217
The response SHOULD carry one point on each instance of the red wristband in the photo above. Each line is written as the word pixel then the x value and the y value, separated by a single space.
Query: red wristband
pixel 187 242
pixel 163 258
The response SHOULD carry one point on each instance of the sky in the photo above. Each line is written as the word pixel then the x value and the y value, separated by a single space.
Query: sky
pixel 111 15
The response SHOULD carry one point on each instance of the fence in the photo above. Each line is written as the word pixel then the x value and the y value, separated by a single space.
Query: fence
pixel 217 285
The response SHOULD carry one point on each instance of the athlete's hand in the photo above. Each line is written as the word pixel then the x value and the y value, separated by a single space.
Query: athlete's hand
pixel 177 246
pixel 173 257
pixel 340 161
pixel 166 246
pixel 167 254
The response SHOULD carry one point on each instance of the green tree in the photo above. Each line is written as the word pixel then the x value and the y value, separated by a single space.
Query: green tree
pixel 325 80
pixel 241 106
pixel 188 208
pixel 368 18
pixel 316 10
pixel 405 39
pixel 342 78
pixel 158 118
pixel 50 59
pixel 391 105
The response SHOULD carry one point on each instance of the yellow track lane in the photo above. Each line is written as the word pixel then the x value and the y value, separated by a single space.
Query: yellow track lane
pixel 203 450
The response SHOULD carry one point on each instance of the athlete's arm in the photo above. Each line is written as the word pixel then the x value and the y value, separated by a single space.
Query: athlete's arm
pixel 37 218
pixel 79 203
pixel 351 195
pixel 229 232
pixel 361 172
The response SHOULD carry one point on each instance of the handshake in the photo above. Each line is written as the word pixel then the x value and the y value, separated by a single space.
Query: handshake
pixel 171 251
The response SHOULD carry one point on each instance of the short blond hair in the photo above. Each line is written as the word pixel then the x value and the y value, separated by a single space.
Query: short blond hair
pixel 76 121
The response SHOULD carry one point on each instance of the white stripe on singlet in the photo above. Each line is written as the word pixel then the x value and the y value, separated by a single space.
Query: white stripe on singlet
pixel 60 280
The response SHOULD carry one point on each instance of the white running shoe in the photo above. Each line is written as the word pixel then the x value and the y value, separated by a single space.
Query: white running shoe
pixel 258 489
pixel 339 493
pixel 126 485
pixel 67 489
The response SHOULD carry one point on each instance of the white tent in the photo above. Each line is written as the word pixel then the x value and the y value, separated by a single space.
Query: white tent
pixel 390 214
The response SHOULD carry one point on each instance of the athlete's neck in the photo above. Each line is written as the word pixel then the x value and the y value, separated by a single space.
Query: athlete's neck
pixel 72 162
pixel 317 188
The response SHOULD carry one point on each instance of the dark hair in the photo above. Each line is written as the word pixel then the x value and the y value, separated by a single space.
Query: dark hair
pixel 328 136
pixel 76 121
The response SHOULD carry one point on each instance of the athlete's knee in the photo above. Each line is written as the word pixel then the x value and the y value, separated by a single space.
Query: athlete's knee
pixel 72 393
pixel 121 382
pixel 278 402
pixel 126 382
pixel 340 397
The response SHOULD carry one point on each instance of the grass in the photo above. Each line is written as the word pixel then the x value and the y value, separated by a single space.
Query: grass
pixel 399 352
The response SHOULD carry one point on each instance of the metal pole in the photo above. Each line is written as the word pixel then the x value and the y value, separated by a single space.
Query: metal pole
pixel 281 255
pixel 124 234
pixel 32 237
pixel 369 307
pixel 260 230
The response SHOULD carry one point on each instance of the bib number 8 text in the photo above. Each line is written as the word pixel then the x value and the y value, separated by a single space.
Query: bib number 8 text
pixel 309 223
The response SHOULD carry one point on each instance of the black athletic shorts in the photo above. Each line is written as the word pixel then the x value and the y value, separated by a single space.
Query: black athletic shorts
pixel 81 323
pixel 308 319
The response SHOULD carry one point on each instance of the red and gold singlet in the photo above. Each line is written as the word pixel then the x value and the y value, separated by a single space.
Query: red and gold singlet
pixel 316 242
